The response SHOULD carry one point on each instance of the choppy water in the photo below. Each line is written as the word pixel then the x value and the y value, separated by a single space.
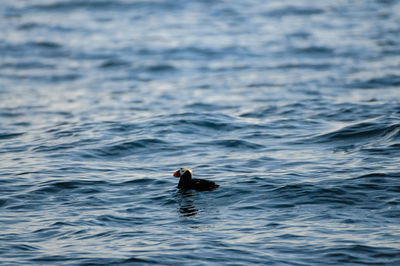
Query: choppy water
pixel 291 106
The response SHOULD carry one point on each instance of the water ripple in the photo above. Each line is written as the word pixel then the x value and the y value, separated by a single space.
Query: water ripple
pixel 291 107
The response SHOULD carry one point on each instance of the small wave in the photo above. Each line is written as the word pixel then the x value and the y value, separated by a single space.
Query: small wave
pixel 46 78
pixel 233 143
pixel 376 181
pixel 24 247
pixel 207 124
pixel 261 113
pixel 41 49
pixel 104 261
pixel 378 176
pixel 66 5
pixel 118 221
pixel 361 255
pixel 160 68
pixel 108 261
pixel 200 122
pixel 51 148
pixel 102 5
pixel 126 148
pixel 137 181
pixel 57 186
pixel 50 259
pixel 388 81
pixel 203 106
pixel 119 127
pixel 113 63
pixel 304 193
pixel 370 191
pixel 3 202
pixel 11 113
pixel 360 132
pixel 294 11
pixel 316 66
pixel 28 26
pixel 315 50
pixel 10 135
pixel 262 85
pixel 27 65
pixel 46 44
pixel 64 77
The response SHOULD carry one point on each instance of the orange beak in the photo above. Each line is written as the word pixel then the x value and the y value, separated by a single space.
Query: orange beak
pixel 176 173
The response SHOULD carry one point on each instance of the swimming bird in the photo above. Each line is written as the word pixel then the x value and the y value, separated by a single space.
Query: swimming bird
pixel 187 182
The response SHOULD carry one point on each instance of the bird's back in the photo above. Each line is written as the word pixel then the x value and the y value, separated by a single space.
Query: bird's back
pixel 201 184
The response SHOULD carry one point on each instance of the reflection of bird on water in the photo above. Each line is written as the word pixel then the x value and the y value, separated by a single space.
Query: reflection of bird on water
pixel 185 200
pixel 188 210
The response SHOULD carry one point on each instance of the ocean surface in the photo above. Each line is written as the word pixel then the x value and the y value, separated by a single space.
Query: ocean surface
pixel 292 107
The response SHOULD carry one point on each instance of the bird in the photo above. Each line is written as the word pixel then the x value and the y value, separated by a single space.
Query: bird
pixel 187 182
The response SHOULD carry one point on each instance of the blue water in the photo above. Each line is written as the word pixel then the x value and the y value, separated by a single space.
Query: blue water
pixel 292 107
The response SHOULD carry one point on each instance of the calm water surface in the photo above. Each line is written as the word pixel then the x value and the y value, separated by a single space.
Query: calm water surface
pixel 292 107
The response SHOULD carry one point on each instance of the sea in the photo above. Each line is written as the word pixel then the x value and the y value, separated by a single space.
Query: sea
pixel 291 106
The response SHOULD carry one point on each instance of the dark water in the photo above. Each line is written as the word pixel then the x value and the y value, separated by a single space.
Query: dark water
pixel 291 106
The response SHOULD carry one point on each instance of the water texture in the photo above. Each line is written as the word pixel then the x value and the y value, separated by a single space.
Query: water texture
pixel 292 107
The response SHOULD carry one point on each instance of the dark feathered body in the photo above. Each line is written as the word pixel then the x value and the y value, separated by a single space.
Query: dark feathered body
pixel 187 182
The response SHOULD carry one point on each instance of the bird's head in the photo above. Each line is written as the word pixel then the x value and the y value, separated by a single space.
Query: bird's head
pixel 183 172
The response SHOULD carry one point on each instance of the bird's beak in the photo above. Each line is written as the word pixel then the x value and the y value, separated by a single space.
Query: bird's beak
pixel 176 173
